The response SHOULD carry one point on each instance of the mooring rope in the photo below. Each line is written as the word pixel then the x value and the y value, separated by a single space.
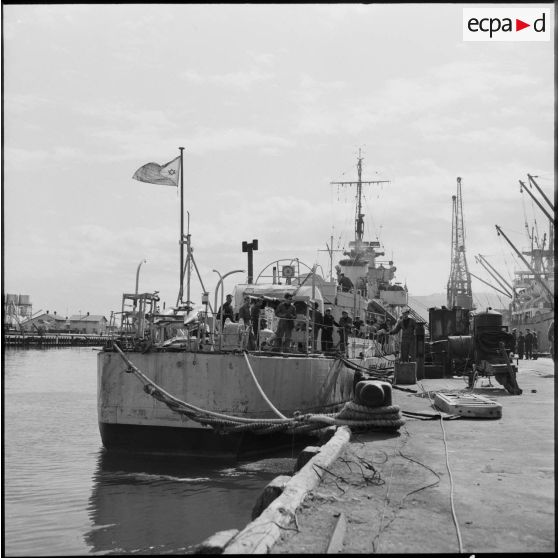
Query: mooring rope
pixel 376 373
pixel 271 406
pixel 352 414
pixel 159 393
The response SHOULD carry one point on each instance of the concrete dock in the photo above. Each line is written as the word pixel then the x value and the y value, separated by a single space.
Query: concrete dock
pixel 441 486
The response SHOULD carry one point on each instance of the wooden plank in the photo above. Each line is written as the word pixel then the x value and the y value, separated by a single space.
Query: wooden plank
pixel 262 533
pixel 336 541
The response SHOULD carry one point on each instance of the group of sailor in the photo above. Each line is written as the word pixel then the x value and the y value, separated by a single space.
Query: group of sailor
pixel 525 344
pixel 249 316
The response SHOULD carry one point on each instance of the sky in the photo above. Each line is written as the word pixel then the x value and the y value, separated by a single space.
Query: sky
pixel 272 103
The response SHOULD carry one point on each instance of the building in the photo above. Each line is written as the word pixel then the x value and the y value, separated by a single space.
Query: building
pixel 88 323
pixel 45 323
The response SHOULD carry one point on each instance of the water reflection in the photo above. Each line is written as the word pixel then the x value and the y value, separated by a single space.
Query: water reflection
pixel 158 504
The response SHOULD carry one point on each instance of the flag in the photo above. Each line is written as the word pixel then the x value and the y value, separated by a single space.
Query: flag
pixel 165 175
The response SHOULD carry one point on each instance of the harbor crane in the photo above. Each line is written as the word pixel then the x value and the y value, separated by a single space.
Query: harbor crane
pixel 459 283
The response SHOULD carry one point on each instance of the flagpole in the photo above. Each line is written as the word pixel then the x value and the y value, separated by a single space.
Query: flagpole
pixel 181 276
pixel 188 261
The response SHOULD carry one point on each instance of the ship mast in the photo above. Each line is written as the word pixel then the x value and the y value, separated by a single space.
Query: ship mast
pixel 359 218
pixel 330 251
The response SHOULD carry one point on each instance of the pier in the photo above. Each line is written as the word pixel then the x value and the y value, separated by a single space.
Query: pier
pixel 438 485
pixel 18 339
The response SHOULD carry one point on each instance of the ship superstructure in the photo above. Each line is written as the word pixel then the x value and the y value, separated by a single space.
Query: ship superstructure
pixel 371 277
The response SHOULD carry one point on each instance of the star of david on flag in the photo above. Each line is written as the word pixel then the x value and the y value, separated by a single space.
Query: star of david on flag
pixel 165 175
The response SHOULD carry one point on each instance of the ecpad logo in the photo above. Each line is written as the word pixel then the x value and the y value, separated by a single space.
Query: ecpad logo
pixel 494 24
pixel 506 24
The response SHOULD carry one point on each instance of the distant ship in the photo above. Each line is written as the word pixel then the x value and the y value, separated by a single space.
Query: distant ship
pixel 373 278
pixel 532 289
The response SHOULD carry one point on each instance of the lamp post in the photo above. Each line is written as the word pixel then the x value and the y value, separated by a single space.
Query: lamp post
pixel 219 283
pixel 137 274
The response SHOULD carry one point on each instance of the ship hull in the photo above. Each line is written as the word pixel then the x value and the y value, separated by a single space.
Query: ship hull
pixel 539 321
pixel 198 443
pixel 131 419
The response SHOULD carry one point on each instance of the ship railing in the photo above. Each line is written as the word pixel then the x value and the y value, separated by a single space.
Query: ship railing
pixel 240 335
pixel 200 335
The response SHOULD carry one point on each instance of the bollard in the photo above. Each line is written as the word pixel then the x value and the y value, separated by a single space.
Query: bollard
pixel 373 393
pixel 272 491
pixel 405 373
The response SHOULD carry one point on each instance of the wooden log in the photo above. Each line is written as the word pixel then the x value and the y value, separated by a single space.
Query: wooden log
pixel 216 543
pixel 272 491
pixel 262 533
pixel 336 541
pixel 305 455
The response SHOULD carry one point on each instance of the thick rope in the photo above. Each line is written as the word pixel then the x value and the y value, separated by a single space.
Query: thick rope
pixel 158 392
pixel 271 406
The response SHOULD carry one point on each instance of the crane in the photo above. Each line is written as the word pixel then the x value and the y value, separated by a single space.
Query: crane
pixel 459 283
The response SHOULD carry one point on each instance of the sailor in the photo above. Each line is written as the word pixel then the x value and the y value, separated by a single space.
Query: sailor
pixel 357 324
pixel 255 310
pixel 345 325
pixel 371 329
pixel 244 311
pixel 535 344
pixel 406 325
pixel 381 336
pixel 520 345
pixel 528 345
pixel 244 319
pixel 286 312
pixel 380 332
pixel 513 347
pixel 317 323
pixel 345 283
pixel 327 331
pixel 226 311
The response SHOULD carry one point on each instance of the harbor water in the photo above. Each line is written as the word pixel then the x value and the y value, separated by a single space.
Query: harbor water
pixel 65 495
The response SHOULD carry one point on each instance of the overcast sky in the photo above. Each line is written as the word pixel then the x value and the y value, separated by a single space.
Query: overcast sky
pixel 271 103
